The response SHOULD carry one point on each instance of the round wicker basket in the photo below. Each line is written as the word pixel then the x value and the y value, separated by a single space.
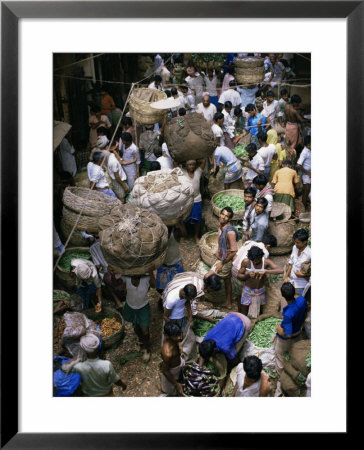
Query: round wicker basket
pixel 248 62
pixel 280 212
pixel 77 240
pixel 139 105
pixel 140 270
pixel 63 275
pixel 114 338
pixel 86 223
pixel 208 246
pixel 254 75
pixel 94 203
pixel 238 215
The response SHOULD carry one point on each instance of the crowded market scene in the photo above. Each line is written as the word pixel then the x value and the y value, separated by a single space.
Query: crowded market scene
pixel 182 225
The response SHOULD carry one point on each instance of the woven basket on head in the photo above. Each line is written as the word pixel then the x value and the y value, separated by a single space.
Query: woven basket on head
pixel 248 62
pixel 63 275
pixel 139 105
pixel 133 239
pixel 114 338
pixel 94 203
pixel 254 75
pixel 209 243
pixel 77 240
pixel 237 193
pixel 85 223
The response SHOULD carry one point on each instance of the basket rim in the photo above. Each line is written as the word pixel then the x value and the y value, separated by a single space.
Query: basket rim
pixel 68 249
pixel 114 311
pixel 238 214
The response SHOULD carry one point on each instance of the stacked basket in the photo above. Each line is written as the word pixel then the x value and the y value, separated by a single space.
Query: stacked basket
pixel 249 69
pixel 140 110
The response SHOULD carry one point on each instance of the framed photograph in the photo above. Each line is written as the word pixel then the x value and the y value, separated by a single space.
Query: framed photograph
pixel 31 33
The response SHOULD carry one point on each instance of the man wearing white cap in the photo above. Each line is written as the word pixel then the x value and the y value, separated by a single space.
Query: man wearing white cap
pixel 98 376
pixel 88 281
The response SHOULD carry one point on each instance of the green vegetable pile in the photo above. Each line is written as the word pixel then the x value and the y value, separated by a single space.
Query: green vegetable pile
pixel 59 296
pixel 200 327
pixel 270 372
pixel 199 382
pixel 210 366
pixel 207 57
pixel 240 151
pixel 263 332
pixel 235 203
pixel 65 261
pixel 308 359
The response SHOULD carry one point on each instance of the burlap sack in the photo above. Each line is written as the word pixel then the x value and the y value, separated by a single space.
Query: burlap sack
pixel 289 387
pixel 283 233
pixel 167 193
pixel 298 354
pixel 132 238
pixel 189 137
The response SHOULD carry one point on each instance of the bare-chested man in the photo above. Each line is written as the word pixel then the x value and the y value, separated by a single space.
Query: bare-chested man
pixel 172 361
pixel 292 119
pixel 252 271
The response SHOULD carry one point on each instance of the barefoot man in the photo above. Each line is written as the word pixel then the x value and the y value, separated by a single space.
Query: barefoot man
pixel 252 271
pixel 173 362
pixel 228 237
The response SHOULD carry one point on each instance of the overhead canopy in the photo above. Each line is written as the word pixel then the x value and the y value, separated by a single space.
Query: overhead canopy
pixel 167 103
pixel 60 129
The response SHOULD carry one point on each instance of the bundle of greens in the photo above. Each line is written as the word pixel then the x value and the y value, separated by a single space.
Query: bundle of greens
pixel 65 261
pixel 200 327
pixel 263 332
pixel 240 151
pixel 235 203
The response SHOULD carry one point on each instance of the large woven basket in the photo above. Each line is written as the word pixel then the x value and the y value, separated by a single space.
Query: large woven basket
pixel 280 212
pixel 77 240
pixel 238 215
pixel 114 338
pixel 85 223
pixel 208 246
pixel 254 75
pixel 248 62
pixel 90 202
pixel 64 276
pixel 140 270
pixel 139 105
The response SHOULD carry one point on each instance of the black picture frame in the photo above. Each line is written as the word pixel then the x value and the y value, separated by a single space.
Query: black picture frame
pixel 11 12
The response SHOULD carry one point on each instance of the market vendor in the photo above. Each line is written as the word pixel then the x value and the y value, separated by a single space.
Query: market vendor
pixel 172 361
pixel 234 170
pixel 88 281
pixel 98 376
pixel 227 248
pixel 251 380
pixel 252 271
pixel 288 332
pixel 227 337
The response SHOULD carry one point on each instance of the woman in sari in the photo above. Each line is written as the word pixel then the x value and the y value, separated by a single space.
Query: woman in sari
pixel 272 138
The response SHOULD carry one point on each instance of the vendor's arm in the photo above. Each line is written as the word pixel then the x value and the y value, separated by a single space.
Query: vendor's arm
pixel 265 385
pixel 166 314
pixel 306 172
pixel 243 275
pixel 151 278
pixel 208 319
pixel 288 273
pixel 273 268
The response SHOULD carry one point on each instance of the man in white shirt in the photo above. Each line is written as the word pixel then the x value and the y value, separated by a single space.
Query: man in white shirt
pixel 207 109
pixel 255 165
pixel 231 95
pixel 157 83
pixel 304 164
pixel 266 151
pixel 272 109
pixel 137 308
pixel 217 130
pixel 96 175
pixel 189 99
pixel 177 95
pixel 163 157
pixel 116 173
pixel 228 125
pixel 195 82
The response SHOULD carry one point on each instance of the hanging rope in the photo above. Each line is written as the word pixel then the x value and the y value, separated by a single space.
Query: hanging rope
pixel 80 61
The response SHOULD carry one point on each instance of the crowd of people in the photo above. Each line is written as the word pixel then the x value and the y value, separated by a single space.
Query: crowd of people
pixel 279 161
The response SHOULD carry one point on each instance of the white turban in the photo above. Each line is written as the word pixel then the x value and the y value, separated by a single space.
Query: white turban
pixel 102 142
pixel 89 343
pixel 191 161
pixel 83 270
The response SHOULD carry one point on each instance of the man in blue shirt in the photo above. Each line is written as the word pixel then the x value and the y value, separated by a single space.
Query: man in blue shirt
pixel 256 123
pixel 288 332
pixel 227 336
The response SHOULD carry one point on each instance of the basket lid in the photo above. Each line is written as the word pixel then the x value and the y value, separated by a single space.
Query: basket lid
pixel 167 103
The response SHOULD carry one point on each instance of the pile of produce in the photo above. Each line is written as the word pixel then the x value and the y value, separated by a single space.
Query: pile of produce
pixel 263 332
pixel 109 327
pixel 240 151
pixel 235 203
pixel 209 60
pixel 200 327
pixel 65 261
pixel 199 382
pixel 58 330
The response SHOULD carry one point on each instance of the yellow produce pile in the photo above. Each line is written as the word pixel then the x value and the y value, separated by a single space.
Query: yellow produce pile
pixel 109 327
